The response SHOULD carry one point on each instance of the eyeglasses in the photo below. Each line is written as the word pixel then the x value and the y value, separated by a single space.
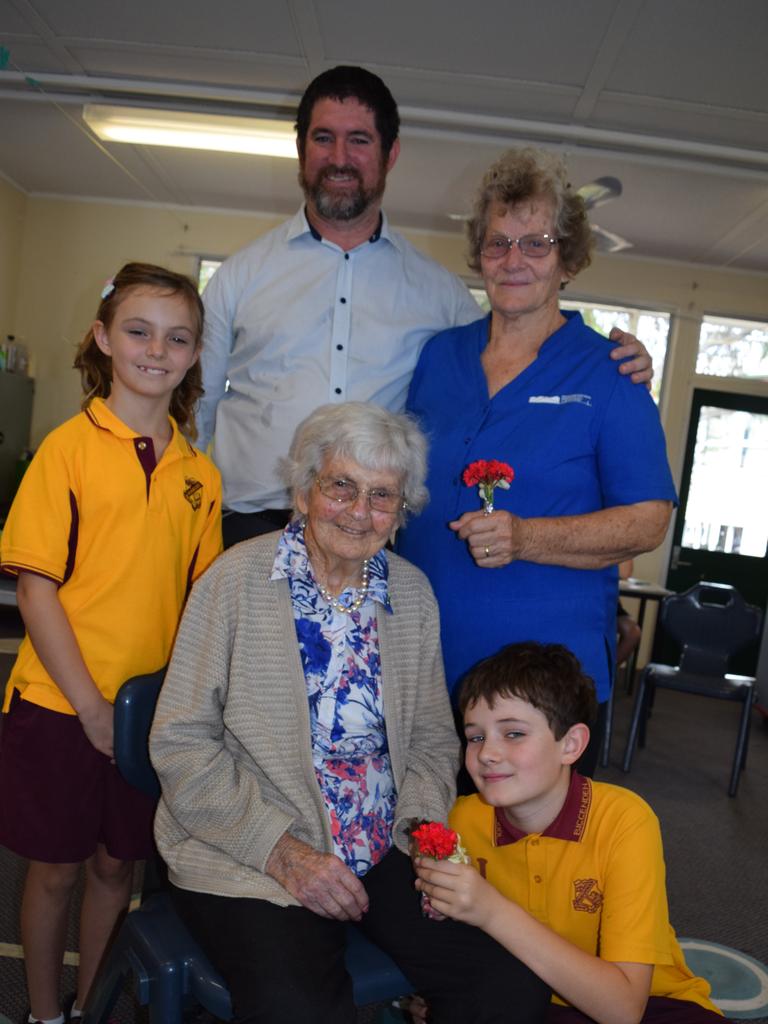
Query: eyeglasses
pixel 345 492
pixel 529 245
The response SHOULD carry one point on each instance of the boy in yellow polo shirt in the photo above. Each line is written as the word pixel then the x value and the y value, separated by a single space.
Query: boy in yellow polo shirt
pixel 567 874
pixel 116 516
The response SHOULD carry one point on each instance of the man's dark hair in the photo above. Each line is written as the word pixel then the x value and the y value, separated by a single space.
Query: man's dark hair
pixel 548 676
pixel 348 82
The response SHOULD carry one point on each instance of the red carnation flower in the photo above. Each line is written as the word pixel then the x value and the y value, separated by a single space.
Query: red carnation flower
pixel 487 475
pixel 433 839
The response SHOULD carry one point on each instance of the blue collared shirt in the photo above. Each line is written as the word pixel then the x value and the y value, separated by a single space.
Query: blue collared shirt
pixel 580 437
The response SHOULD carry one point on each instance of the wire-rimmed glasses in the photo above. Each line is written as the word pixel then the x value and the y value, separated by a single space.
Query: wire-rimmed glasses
pixel 538 245
pixel 345 492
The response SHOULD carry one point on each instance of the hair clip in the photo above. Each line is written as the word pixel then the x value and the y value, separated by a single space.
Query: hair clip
pixel 109 287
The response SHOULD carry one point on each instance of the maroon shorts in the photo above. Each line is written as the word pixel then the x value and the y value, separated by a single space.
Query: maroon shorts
pixel 60 797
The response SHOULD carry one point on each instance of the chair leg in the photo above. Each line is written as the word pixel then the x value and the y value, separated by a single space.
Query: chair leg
pixel 107 984
pixel 605 751
pixel 740 755
pixel 648 701
pixel 638 713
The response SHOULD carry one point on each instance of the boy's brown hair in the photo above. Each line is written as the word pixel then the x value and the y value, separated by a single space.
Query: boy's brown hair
pixel 547 676
pixel 96 368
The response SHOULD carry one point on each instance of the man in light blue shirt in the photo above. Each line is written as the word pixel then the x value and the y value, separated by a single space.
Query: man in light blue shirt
pixel 331 306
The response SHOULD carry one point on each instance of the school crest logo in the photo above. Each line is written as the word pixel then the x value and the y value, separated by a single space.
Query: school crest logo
pixel 587 895
pixel 193 492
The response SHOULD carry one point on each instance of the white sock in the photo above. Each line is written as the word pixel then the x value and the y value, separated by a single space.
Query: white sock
pixel 75 1012
pixel 48 1020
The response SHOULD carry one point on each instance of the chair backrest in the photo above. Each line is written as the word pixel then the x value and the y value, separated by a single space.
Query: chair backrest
pixel 711 622
pixel 134 711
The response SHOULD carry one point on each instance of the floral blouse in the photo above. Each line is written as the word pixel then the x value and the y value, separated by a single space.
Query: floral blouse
pixel 340 656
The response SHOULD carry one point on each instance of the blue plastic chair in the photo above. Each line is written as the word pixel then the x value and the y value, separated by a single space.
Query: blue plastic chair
pixel 170 971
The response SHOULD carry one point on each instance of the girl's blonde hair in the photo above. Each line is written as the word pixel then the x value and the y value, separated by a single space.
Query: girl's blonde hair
pixel 96 368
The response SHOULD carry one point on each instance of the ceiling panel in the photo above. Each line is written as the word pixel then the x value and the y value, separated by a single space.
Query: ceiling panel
pixel 483 77
pixel 264 25
pixel 703 51
pixel 489 38
pixel 162 63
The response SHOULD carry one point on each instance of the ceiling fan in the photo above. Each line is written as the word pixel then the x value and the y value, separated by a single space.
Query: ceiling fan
pixel 595 193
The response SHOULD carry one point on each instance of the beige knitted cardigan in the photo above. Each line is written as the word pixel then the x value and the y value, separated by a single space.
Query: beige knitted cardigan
pixel 231 740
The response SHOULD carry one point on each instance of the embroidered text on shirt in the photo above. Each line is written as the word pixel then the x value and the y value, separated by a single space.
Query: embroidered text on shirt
pixel 559 399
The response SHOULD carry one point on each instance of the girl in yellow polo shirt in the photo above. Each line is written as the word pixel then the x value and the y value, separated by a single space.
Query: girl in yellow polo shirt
pixel 116 516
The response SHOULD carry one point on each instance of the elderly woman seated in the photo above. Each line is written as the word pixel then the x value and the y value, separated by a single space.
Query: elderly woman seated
pixel 303 724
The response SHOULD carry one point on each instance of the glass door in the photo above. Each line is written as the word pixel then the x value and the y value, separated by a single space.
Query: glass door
pixel 721 531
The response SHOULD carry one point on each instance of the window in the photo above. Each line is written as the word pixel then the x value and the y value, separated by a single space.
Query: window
pixel 651 327
pixel 205 271
pixel 733 348
pixel 725 510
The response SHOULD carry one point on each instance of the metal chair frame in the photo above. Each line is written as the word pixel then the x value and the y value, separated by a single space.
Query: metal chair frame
pixel 711 622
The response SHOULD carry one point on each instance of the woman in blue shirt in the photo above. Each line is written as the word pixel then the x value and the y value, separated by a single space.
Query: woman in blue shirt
pixel 532 386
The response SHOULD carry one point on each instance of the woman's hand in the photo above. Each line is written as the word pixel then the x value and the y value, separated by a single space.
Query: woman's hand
pixel 493 540
pixel 457 891
pixel 319 881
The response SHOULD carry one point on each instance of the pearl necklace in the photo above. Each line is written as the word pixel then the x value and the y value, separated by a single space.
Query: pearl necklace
pixel 361 594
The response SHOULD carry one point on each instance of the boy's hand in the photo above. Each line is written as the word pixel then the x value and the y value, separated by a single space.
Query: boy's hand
pixel 457 891
pixel 97 720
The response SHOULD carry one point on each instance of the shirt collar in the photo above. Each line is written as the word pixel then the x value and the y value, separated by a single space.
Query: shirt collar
pixel 99 413
pixel 292 562
pixel 569 824
pixel 300 226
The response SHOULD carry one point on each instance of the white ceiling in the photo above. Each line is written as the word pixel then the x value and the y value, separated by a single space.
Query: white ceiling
pixel 670 96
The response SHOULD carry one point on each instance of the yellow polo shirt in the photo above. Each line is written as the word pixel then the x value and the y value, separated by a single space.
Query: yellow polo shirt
pixel 122 534
pixel 596 876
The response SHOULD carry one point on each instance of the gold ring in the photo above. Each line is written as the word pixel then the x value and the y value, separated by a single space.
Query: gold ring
pixel 487 551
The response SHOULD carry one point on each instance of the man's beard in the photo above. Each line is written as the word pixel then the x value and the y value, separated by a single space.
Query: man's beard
pixel 334 206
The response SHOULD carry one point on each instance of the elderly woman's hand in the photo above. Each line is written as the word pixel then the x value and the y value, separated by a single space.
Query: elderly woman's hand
pixel 493 540
pixel 319 881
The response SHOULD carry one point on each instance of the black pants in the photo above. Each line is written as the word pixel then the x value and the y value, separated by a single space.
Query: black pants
pixel 237 526
pixel 287 964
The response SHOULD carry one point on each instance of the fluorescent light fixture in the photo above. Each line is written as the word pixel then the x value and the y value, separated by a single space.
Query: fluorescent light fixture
pixel 221 133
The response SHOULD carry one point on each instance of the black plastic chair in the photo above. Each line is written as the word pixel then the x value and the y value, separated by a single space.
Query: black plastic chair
pixel 711 622
pixel 170 971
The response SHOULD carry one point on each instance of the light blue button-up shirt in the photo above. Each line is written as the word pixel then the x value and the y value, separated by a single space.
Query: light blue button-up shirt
pixel 292 321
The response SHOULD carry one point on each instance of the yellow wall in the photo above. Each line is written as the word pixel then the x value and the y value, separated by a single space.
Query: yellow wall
pixel 70 248
pixel 12 210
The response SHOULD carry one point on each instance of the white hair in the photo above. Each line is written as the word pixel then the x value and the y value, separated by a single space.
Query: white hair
pixel 373 437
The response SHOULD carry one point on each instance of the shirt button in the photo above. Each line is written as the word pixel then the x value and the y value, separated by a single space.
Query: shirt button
pixel 340 348
pixel 141 445
pixel 337 391
pixel 342 301
pixel 537 878
pixel 346 255
pixel 534 842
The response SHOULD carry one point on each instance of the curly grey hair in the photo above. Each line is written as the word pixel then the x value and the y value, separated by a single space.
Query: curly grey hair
pixel 525 175
pixel 373 437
